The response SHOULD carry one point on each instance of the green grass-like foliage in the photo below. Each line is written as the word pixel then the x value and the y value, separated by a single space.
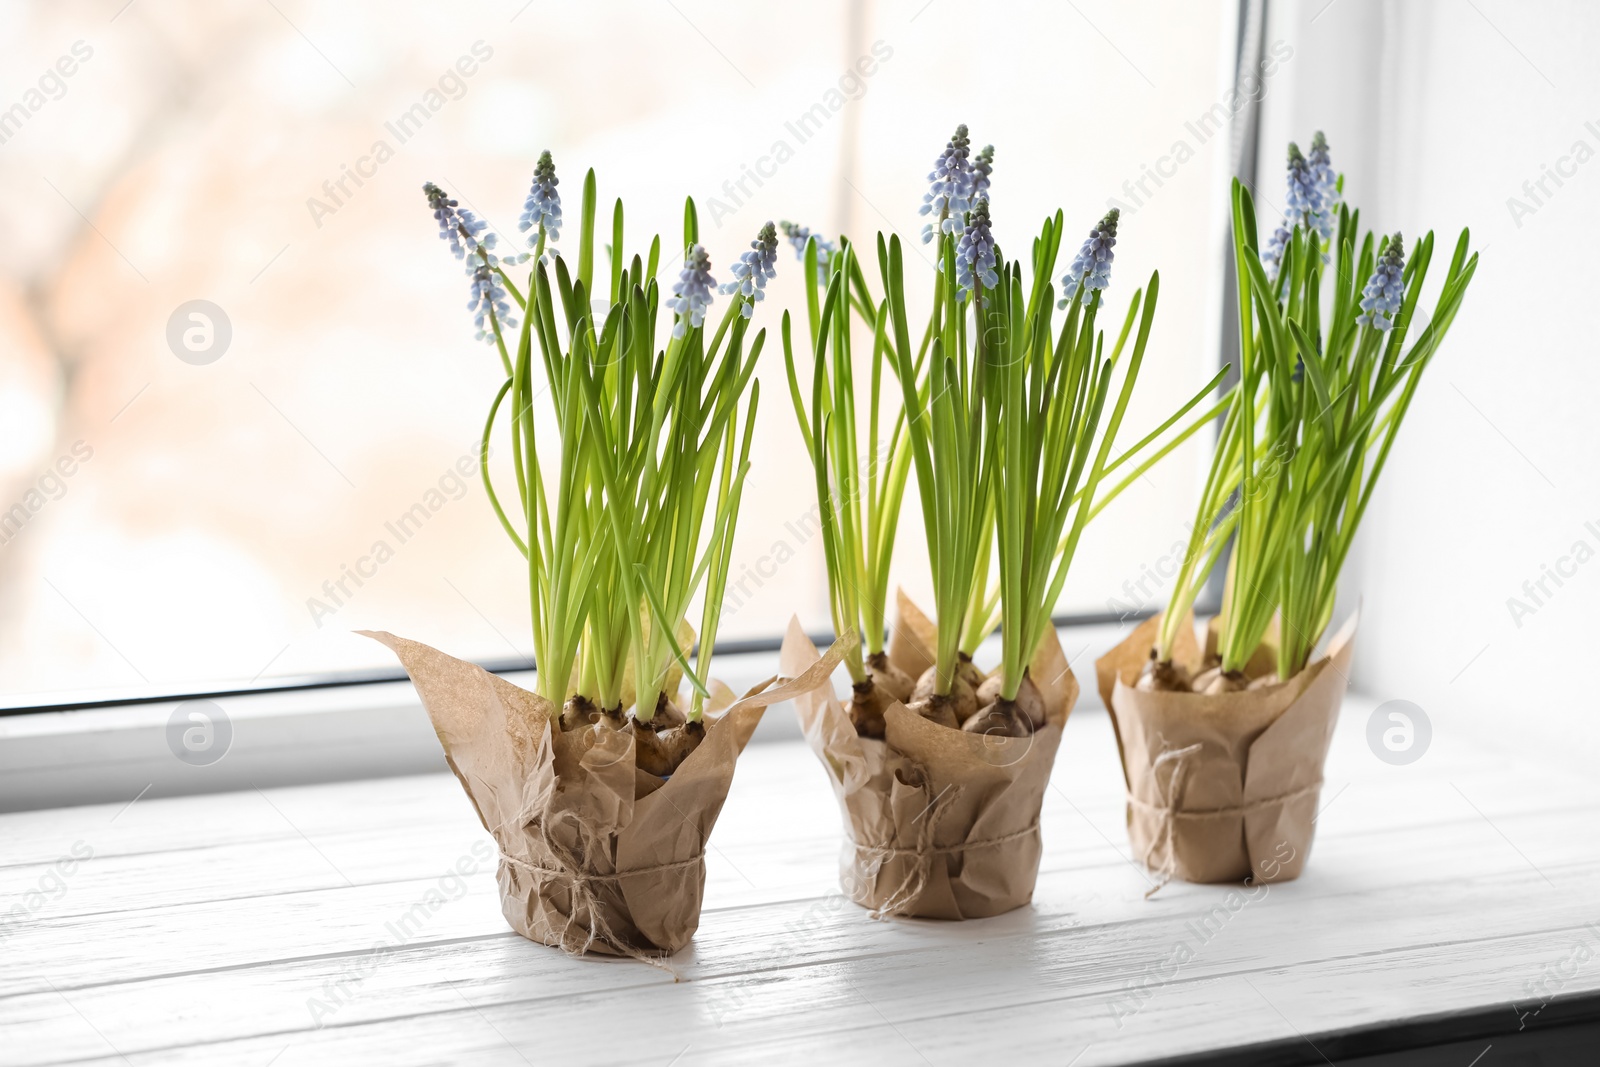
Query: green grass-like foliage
pixel 1311 423
pixel 637 513
pixel 859 490
pixel 953 425
pixel 1012 425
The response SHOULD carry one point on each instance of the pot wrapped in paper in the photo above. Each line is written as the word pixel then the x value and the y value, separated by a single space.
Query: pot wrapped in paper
pixel 940 823
pixel 595 854
pixel 1223 787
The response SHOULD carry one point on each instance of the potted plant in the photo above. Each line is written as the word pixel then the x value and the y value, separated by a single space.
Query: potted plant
pixel 602 785
pixel 1010 419
pixel 1223 744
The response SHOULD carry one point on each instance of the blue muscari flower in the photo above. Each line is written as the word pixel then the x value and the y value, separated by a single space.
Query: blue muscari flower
pixel 488 295
pixel 1326 181
pixel 797 236
pixel 1313 201
pixel 465 233
pixel 1304 199
pixel 975 251
pixel 982 168
pixel 949 196
pixel 1272 257
pixel 541 212
pixel 1380 300
pixel 459 227
pixel 1092 267
pixel 692 291
pixel 754 269
pixel 1308 205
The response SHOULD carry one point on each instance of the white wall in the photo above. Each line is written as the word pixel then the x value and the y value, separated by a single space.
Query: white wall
pixel 1439 112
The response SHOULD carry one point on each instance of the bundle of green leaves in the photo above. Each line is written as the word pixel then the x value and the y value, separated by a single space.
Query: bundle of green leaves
pixel 635 514
pixel 859 489
pixel 1326 378
pixel 1010 424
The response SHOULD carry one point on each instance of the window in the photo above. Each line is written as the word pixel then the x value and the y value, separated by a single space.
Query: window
pixel 240 397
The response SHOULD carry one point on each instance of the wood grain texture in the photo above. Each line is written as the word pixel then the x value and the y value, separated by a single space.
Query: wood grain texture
pixel 358 922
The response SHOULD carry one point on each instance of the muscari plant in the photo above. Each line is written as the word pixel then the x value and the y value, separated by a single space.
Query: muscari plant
pixel 1326 378
pixel 1010 425
pixel 860 481
pixel 635 514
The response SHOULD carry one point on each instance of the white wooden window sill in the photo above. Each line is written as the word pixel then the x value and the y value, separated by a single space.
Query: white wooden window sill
pixel 332 923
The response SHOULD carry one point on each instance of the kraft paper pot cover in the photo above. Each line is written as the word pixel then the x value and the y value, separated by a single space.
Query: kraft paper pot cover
pixel 1224 787
pixel 595 855
pixel 940 824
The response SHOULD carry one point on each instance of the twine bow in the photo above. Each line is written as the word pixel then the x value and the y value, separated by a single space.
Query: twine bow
pixel 1170 813
pixel 925 851
pixel 916 879
pixel 1179 758
pixel 579 881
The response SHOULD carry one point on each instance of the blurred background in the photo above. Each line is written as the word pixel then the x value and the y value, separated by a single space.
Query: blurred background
pixel 192 509
pixel 268 157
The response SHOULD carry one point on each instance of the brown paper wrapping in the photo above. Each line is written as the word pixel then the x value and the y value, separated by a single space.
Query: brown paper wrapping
pixel 1223 788
pixel 941 824
pixel 595 855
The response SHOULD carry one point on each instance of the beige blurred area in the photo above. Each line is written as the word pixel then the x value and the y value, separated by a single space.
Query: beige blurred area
pixel 222 521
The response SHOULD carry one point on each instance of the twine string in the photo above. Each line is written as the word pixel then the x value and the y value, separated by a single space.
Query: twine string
pixel 1170 813
pixel 916 877
pixel 568 868
pixel 1178 758
pixel 924 851
pixel 579 881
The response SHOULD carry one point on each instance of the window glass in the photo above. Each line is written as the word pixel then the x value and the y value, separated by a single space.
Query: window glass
pixel 240 398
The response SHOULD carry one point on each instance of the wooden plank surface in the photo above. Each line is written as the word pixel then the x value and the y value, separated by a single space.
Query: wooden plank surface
pixel 244 928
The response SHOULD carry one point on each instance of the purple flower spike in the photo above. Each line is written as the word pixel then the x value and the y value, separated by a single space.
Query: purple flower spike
pixel 754 269
pixel 1092 267
pixel 691 293
pixel 1380 300
pixel 469 243
pixel 975 252
pixel 797 236
pixel 541 212
pixel 949 196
